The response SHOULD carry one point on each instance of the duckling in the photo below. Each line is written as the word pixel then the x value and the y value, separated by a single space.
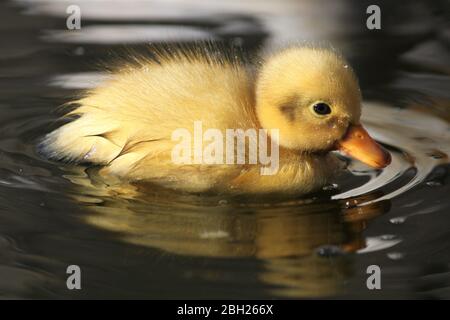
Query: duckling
pixel 309 95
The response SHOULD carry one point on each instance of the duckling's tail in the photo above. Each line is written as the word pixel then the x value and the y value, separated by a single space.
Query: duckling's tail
pixel 77 142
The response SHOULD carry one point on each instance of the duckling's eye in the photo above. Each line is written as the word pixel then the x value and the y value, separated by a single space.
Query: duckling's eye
pixel 322 108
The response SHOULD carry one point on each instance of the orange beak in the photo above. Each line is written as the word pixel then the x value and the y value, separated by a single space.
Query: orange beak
pixel 358 144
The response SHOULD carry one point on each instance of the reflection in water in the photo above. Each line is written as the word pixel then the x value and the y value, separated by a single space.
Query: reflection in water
pixel 301 243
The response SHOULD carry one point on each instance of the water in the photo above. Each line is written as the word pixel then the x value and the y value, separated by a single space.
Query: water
pixel 144 242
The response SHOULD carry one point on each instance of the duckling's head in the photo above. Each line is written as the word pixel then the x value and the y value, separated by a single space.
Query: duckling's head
pixel 312 96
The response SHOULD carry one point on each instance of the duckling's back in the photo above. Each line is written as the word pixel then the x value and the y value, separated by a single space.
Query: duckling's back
pixel 127 122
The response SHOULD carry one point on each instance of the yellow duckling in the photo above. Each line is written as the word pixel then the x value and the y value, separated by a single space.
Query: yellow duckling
pixel 309 95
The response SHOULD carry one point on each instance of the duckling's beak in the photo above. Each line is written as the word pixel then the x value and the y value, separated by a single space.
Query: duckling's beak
pixel 358 144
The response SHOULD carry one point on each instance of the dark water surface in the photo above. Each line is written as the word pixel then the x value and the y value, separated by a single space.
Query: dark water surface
pixel 151 243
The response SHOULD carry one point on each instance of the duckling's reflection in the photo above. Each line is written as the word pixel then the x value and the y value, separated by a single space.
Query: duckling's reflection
pixel 290 238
